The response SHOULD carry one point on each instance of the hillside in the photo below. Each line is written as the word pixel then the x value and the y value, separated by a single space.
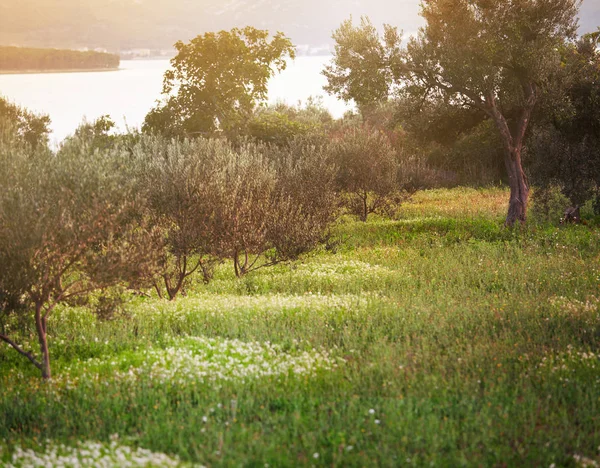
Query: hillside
pixel 127 24
pixel 28 59
pixel 437 339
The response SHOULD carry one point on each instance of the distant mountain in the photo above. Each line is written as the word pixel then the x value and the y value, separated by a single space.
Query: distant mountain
pixel 156 24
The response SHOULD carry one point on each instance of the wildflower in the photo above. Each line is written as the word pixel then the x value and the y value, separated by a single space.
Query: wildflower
pixel 210 360
pixel 92 454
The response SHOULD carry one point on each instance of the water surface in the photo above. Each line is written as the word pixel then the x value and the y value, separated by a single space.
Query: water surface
pixel 129 93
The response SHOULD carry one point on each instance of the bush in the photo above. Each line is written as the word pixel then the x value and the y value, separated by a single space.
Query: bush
pixel 367 169
pixel 95 134
pixel 549 204
pixel 280 124
pixel 571 165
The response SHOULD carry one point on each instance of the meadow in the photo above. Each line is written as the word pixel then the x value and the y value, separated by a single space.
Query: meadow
pixel 439 338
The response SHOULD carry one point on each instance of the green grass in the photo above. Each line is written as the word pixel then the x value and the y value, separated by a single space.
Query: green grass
pixel 448 340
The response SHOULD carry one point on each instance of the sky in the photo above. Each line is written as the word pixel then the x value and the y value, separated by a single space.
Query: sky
pixel 126 24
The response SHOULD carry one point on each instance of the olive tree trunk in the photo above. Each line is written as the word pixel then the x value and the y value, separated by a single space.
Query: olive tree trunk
pixel 365 206
pixel 519 189
pixel 513 140
pixel 41 326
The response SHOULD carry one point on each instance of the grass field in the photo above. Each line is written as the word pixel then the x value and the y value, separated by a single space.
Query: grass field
pixel 437 339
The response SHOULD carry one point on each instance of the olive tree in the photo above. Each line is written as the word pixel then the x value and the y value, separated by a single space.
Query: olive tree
pixel 241 184
pixel 367 169
pixel 305 199
pixel 495 57
pixel 267 204
pixel 69 224
pixel 175 176
pixel 254 205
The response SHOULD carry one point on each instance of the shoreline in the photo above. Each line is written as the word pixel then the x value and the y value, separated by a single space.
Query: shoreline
pixel 54 71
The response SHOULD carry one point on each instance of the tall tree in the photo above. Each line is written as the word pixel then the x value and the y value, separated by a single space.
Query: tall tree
pixel 493 56
pixel 216 81
pixel 360 70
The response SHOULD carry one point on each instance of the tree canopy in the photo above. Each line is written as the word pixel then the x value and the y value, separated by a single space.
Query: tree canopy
pixel 564 149
pixel 360 70
pixel 25 126
pixel 70 223
pixel 216 81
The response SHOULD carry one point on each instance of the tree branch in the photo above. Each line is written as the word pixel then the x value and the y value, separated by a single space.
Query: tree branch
pixel 264 265
pixel 29 356
pixel 64 294
pixel 193 270
pixel 530 92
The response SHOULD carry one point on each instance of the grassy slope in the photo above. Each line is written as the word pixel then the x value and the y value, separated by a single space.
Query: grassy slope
pixel 472 344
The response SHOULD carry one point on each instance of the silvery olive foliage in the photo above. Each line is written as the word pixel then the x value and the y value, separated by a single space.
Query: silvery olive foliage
pixel 173 176
pixel 255 205
pixel 367 169
pixel 70 222
pixel 305 196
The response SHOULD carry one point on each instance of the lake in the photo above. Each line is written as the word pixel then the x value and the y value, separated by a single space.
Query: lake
pixel 129 93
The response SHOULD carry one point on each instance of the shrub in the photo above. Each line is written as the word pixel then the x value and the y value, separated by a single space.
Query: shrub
pixel 367 169
pixel 95 134
pixel 549 205
pixel 281 124
pixel 271 126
